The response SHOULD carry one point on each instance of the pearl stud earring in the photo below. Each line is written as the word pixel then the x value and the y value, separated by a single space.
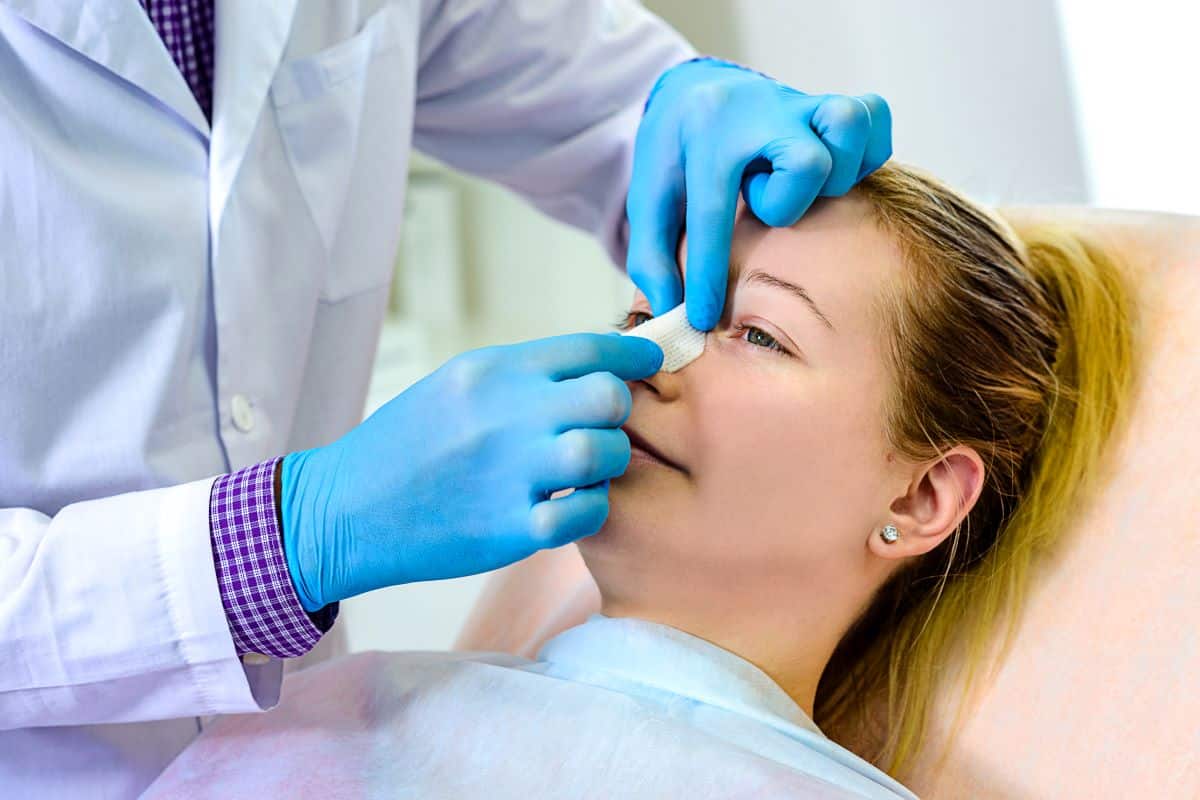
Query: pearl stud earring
pixel 889 533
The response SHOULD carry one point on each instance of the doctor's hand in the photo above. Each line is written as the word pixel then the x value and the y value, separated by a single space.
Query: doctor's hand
pixel 712 128
pixel 453 476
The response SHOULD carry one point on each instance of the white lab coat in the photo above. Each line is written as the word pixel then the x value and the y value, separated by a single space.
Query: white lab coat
pixel 176 302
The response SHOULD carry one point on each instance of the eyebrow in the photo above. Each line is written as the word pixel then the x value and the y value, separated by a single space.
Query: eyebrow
pixel 767 279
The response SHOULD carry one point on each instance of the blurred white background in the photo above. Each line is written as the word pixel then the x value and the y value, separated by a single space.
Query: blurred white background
pixel 1029 101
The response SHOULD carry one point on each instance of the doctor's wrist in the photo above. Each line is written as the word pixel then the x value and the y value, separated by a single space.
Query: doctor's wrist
pixel 324 616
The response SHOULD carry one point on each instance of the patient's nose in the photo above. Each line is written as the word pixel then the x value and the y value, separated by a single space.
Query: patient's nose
pixel 664 387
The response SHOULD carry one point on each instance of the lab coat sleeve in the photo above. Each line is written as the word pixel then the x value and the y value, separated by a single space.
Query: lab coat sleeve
pixel 110 612
pixel 543 97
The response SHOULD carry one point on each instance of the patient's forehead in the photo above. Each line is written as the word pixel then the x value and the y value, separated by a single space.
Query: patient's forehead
pixel 836 252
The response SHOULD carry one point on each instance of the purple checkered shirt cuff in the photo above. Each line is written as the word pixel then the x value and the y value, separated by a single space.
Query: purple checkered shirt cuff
pixel 264 613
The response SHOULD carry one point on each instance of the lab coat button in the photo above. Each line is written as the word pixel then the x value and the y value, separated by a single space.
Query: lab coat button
pixel 255 659
pixel 243 413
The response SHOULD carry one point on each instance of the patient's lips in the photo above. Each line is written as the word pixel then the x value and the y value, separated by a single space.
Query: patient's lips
pixel 642 452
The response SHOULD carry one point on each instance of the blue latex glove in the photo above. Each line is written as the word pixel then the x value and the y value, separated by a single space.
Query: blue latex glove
pixel 452 476
pixel 712 128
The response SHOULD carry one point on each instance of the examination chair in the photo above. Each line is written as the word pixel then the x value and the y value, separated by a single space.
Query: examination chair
pixel 1100 695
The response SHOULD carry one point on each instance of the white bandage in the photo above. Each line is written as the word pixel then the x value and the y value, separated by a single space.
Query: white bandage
pixel 680 342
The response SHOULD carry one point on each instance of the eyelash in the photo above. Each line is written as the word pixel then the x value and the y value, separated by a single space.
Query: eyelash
pixel 626 322
pixel 774 346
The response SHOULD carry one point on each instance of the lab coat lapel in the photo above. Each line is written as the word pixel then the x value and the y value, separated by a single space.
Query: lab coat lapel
pixel 250 38
pixel 119 36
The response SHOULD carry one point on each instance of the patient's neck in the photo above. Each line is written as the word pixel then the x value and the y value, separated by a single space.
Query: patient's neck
pixel 788 634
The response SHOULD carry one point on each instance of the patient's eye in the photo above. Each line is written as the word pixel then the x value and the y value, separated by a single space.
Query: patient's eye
pixel 760 338
pixel 631 319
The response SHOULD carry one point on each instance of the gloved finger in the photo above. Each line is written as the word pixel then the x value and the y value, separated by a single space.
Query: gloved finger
pixel 713 180
pixel 562 520
pixel 655 210
pixel 879 144
pixel 581 457
pixel 598 400
pixel 576 354
pixel 800 167
pixel 844 125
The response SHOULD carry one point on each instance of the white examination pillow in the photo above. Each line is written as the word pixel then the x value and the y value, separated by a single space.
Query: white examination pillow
pixel 1098 696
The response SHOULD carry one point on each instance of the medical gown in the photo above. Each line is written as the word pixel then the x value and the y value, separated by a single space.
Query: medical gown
pixel 615 707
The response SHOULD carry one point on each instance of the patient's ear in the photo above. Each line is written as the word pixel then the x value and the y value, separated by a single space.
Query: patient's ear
pixel 939 496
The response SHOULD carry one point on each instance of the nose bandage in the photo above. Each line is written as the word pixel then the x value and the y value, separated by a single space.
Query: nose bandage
pixel 680 342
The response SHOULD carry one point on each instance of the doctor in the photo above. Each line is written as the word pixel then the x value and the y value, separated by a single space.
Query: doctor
pixel 198 214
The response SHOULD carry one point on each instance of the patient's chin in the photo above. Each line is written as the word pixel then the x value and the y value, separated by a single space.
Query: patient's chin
pixel 635 495
pixel 639 503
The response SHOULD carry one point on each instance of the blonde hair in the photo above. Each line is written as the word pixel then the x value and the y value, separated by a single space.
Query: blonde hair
pixel 1020 345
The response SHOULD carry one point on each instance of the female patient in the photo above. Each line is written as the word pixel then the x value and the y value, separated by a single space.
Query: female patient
pixel 895 417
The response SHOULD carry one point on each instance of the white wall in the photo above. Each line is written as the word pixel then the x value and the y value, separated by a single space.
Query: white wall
pixel 981 95
pixel 978 89
pixel 1135 67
